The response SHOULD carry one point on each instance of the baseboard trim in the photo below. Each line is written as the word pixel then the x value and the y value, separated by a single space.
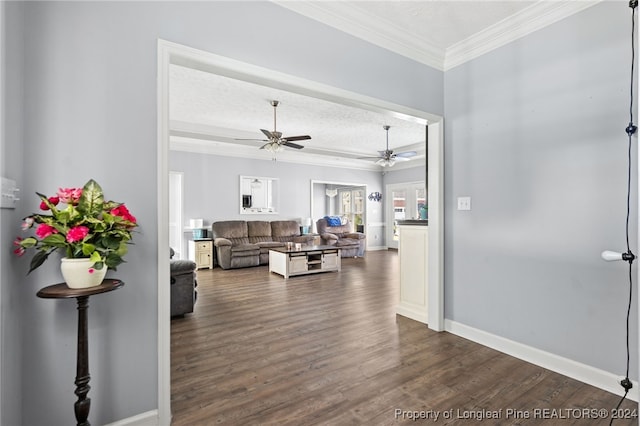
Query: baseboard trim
pixel 148 418
pixel 376 248
pixel 411 312
pixel 593 376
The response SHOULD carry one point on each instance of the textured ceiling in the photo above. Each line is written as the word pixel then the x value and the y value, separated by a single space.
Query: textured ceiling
pixel 229 108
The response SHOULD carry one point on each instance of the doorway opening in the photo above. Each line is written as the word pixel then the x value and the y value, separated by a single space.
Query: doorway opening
pixel 172 53
pixel 405 201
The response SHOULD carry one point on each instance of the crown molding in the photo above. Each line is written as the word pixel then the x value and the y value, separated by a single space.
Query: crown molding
pixel 346 18
pixel 533 18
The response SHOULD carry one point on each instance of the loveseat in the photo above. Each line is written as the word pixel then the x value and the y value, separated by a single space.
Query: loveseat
pixel 337 231
pixel 241 244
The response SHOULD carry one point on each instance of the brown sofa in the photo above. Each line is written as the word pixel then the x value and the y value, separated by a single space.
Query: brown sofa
pixel 353 244
pixel 241 244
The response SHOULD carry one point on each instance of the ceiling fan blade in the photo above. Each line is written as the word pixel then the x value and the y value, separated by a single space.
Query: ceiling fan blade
pixel 292 145
pixel 406 154
pixel 259 140
pixel 297 138
pixel 401 158
pixel 267 133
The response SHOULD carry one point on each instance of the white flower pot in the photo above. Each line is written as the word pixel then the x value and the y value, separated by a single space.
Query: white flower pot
pixel 79 273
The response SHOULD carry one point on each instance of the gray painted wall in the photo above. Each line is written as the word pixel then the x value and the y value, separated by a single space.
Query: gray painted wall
pixel 534 133
pixel 89 74
pixel 11 166
pixel 211 186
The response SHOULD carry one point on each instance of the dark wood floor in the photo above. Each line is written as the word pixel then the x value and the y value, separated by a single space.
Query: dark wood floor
pixel 329 349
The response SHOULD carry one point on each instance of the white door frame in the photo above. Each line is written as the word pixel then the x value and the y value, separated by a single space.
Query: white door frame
pixel 168 53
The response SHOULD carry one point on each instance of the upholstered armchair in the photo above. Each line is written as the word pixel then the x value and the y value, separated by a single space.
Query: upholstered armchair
pixel 183 286
pixel 353 244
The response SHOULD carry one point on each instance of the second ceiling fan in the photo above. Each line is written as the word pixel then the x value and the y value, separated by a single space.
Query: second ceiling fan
pixel 275 142
pixel 388 158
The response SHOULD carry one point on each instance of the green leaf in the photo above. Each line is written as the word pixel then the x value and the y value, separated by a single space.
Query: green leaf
pixel 37 260
pixel 113 260
pixel 110 242
pixel 28 242
pixel 122 250
pixel 91 200
pixel 95 258
pixel 56 240
pixel 88 249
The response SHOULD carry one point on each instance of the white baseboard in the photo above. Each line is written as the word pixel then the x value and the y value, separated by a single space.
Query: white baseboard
pixel 376 248
pixel 565 366
pixel 411 312
pixel 149 418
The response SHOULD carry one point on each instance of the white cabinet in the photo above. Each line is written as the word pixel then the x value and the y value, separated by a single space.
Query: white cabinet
pixel 201 252
pixel 413 252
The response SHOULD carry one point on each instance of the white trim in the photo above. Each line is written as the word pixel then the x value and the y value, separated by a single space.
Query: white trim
pixel 435 204
pixel 565 366
pixel 415 313
pixel 149 418
pixel 164 295
pixel 344 17
pixel 209 62
pixel 535 17
pixel 370 28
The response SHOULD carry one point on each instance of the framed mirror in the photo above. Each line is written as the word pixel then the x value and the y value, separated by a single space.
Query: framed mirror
pixel 258 195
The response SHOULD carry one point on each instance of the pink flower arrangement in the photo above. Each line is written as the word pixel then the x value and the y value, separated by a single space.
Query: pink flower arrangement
pixel 88 227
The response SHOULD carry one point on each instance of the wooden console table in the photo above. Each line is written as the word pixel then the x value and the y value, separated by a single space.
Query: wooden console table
pixel 307 260
pixel 61 291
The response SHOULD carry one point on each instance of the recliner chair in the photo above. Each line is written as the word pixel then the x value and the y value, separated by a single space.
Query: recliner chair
pixel 183 286
pixel 353 244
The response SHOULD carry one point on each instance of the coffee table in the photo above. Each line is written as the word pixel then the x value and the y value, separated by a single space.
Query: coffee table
pixel 306 260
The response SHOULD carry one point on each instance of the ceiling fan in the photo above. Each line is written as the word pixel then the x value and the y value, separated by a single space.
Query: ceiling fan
pixel 387 158
pixel 275 142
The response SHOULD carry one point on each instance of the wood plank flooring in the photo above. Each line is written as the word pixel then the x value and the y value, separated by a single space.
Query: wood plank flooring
pixel 328 349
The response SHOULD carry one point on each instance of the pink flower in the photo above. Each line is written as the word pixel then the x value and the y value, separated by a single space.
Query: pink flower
pixel 28 223
pixel 69 195
pixel 52 200
pixel 19 251
pixel 91 270
pixel 124 213
pixel 77 233
pixel 43 230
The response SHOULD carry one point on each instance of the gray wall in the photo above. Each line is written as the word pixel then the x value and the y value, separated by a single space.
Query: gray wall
pixel 89 111
pixel 11 166
pixel 534 133
pixel 211 186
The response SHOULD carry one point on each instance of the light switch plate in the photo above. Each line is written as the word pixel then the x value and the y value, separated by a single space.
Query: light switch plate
pixel 8 191
pixel 464 203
